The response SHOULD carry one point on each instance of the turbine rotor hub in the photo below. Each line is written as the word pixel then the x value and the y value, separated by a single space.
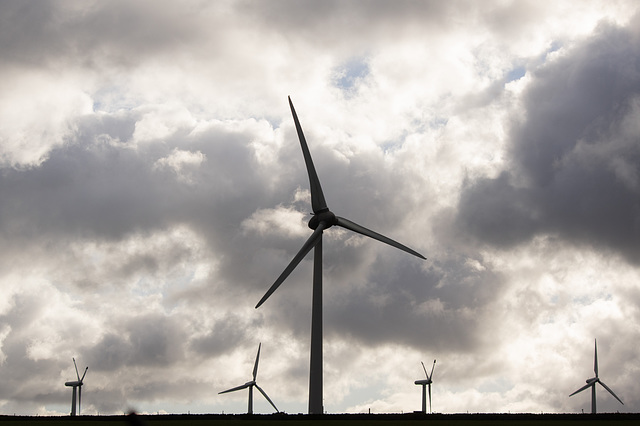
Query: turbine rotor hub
pixel 325 216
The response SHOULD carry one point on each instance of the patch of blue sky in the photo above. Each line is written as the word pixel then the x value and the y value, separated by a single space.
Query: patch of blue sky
pixel 437 122
pixel 520 71
pixel 586 300
pixel 392 145
pixel 516 74
pixel 274 121
pixel 347 75
pixel 555 45
pixel 429 123
pixel 111 99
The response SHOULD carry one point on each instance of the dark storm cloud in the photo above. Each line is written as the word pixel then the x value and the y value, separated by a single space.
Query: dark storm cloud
pixel 226 333
pixel 354 26
pixel 94 187
pixel 19 366
pixel 311 17
pixel 146 340
pixel 489 204
pixel 90 33
pixel 575 156
pixel 443 308
pixel 101 188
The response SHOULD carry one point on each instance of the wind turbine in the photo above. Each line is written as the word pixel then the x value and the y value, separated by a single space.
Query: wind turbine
pixel 251 384
pixel 426 382
pixel 76 384
pixel 322 219
pixel 592 383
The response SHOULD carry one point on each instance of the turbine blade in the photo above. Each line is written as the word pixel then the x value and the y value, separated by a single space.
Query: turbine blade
pixel 237 388
pixel 74 364
pixel 255 366
pixel 346 223
pixel 430 398
pixel 317 196
pixel 432 368
pixel 611 392
pixel 425 370
pixel 306 248
pixel 581 389
pixel 79 399
pixel 267 397
pixel 84 374
pixel 595 359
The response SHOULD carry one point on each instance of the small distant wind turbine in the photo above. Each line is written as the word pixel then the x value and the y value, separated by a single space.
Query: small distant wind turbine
pixel 251 384
pixel 322 219
pixel 592 384
pixel 76 384
pixel 426 382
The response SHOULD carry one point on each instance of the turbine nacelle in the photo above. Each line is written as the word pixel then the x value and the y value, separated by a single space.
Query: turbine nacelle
pixel 423 382
pixel 325 216
pixel 74 383
pixel 592 380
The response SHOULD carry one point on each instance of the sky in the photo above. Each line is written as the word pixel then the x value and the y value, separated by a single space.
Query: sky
pixel 153 188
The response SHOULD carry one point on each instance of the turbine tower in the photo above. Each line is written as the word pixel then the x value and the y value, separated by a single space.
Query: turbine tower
pixel 321 220
pixel 251 384
pixel 76 384
pixel 426 382
pixel 592 383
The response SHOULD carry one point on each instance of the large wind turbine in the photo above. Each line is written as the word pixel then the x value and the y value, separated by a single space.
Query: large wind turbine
pixel 76 384
pixel 322 219
pixel 592 383
pixel 251 384
pixel 426 382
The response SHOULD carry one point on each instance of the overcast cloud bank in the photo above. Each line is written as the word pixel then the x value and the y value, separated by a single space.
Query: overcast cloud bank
pixel 153 188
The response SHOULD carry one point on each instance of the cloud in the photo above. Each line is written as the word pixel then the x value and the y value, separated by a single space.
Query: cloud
pixel 153 188
pixel 26 138
pixel 181 162
pixel 573 159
